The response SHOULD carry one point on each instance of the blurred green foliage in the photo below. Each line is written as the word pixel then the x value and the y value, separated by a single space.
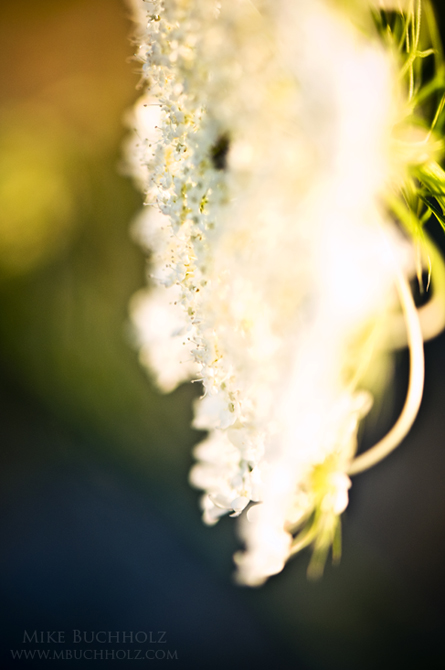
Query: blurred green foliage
pixel 67 264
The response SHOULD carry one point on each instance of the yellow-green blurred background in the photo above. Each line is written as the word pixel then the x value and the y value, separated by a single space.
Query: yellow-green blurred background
pixel 98 526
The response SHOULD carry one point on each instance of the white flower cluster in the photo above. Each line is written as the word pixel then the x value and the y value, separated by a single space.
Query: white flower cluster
pixel 263 145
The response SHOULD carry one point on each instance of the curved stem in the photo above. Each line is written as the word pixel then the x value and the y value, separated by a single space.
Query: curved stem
pixel 415 386
pixel 432 315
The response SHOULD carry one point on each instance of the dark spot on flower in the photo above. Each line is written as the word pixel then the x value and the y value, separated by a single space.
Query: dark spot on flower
pixel 219 151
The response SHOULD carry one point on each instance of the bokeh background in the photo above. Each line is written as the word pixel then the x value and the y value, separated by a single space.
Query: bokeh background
pixel 98 527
